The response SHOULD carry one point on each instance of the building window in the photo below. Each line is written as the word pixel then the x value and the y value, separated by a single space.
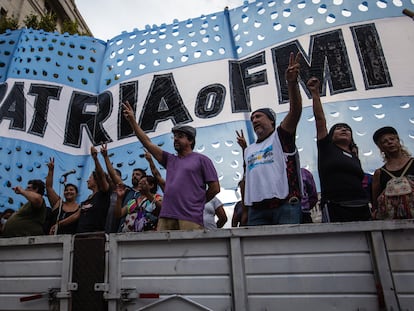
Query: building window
pixel 49 9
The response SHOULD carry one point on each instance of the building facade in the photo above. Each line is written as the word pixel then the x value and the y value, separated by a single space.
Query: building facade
pixel 63 9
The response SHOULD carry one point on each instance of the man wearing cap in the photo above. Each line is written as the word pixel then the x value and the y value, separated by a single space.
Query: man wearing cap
pixel 191 178
pixel 272 189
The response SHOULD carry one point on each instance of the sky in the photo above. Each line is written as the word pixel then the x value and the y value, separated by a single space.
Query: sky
pixel 115 16
pixel 109 18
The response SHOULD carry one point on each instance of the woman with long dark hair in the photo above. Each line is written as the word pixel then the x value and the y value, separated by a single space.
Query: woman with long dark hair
pixel 342 196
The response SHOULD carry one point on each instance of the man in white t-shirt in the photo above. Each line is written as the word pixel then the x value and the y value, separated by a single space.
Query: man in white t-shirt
pixel 272 170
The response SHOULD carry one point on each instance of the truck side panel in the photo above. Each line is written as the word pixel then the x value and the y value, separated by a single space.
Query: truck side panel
pixel 400 246
pixel 34 269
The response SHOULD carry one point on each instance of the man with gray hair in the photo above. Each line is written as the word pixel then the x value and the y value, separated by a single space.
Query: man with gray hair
pixel 272 170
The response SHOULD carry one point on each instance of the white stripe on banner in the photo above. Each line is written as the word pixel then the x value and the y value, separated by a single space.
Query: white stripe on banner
pixel 51 106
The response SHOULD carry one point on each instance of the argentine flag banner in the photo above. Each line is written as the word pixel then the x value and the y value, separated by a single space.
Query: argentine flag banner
pixel 62 94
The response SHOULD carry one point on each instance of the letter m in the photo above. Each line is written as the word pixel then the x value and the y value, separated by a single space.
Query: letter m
pixel 328 61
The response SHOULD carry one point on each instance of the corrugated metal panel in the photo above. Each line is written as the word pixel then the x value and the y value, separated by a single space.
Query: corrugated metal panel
pixel 316 267
pixel 194 268
pixel 33 267
pixel 353 266
pixel 400 245
pixel 295 272
pixel 174 302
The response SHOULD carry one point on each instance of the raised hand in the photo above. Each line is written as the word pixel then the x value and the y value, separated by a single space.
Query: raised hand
pixel 18 190
pixel 313 85
pixel 94 152
pixel 128 112
pixel 241 140
pixel 51 164
pixel 292 72
pixel 104 150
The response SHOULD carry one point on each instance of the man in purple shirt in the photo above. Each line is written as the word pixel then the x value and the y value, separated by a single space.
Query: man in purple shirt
pixel 191 178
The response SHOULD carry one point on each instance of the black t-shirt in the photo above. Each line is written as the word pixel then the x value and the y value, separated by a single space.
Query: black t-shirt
pixel 93 212
pixel 68 229
pixel 340 173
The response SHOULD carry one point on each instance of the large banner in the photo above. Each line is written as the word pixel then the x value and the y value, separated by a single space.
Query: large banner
pixel 61 94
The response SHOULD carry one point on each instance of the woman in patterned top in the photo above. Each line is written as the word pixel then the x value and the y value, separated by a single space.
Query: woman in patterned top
pixel 141 212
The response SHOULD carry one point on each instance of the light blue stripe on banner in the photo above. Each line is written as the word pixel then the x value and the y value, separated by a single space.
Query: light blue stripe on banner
pixel 93 65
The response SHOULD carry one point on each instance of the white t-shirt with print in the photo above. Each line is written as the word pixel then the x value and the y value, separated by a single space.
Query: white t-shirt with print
pixel 266 175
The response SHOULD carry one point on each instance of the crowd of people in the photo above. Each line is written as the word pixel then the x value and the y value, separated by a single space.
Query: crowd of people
pixel 274 189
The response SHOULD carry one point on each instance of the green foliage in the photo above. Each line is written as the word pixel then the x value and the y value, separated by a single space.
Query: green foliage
pixel 8 23
pixel 70 27
pixel 31 21
pixel 48 22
